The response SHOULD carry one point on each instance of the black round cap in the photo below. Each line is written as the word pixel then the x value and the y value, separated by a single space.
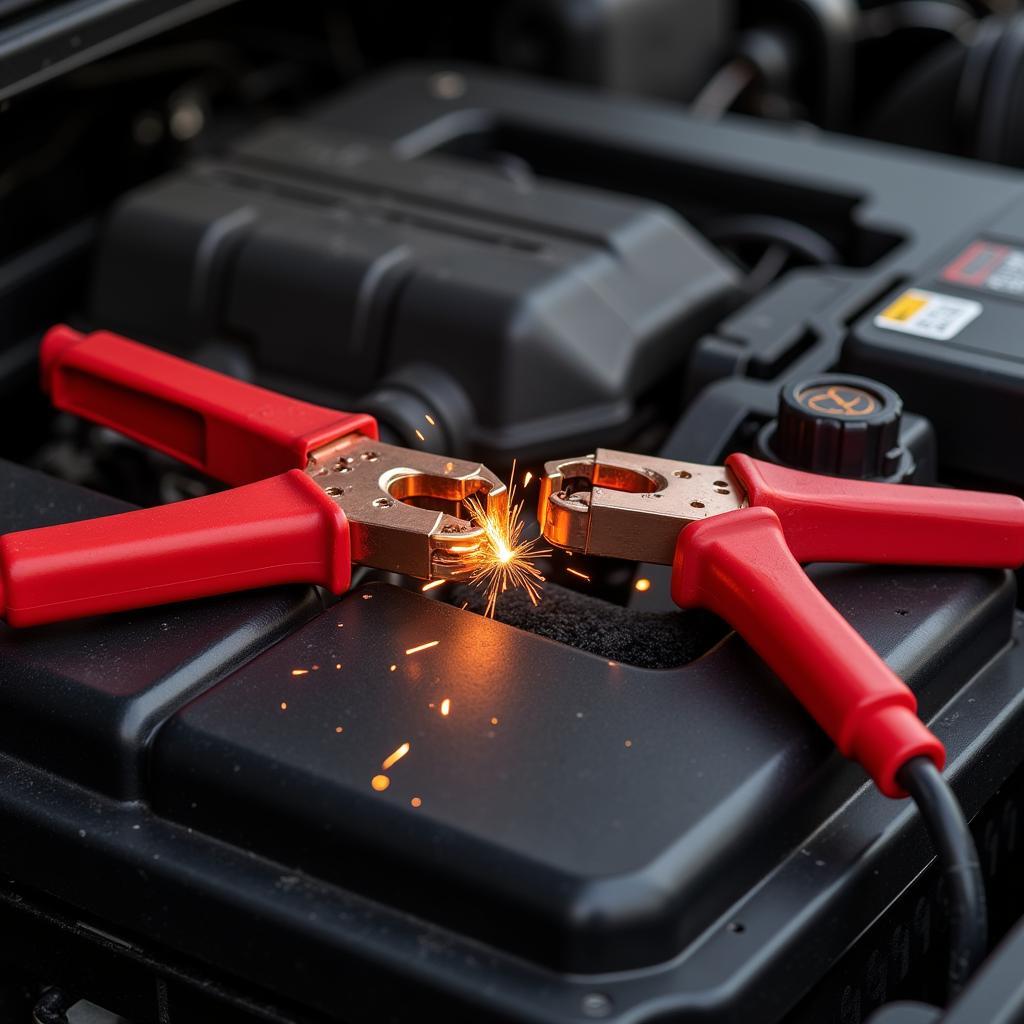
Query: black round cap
pixel 840 425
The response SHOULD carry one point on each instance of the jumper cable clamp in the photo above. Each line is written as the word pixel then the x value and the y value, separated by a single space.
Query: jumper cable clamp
pixel 313 491
pixel 736 536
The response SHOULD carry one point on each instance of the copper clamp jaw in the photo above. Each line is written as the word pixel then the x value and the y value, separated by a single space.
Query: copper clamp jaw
pixel 406 509
pixel 623 505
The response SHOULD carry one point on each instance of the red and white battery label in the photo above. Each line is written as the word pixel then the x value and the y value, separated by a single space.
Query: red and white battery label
pixel 989 267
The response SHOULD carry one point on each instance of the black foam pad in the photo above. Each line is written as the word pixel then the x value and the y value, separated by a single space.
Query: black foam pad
pixel 645 639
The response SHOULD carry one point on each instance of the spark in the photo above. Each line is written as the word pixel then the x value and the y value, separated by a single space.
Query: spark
pixel 380 783
pixel 284 705
pixel 642 585
pixel 416 802
pixel 395 756
pixel 422 647
pixel 527 479
pixel 629 743
pixel 394 668
pixel 339 728
pixel 432 584
pixel 582 575
pixel 337 664
pixel 300 671
pixel 504 561
pixel 494 721
pixel 419 434
pixel 446 706
pixel 429 419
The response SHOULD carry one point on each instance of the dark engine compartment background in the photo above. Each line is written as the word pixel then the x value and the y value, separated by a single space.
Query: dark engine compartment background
pixel 547 226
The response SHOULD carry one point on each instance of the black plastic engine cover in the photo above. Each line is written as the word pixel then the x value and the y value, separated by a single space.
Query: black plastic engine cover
pixel 520 313
pixel 894 216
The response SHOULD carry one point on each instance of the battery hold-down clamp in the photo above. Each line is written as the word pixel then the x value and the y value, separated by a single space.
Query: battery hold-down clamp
pixel 314 492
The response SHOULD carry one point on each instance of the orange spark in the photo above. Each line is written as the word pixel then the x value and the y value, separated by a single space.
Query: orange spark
pixel 338 728
pixel 432 584
pixel 416 802
pixel 582 575
pixel 300 671
pixel 395 756
pixel 429 419
pixel 422 647
pixel 419 434
pixel 380 783
pixel 504 561
pixel 494 721
pixel 527 479
pixel 284 705
pixel 642 585
pixel 446 706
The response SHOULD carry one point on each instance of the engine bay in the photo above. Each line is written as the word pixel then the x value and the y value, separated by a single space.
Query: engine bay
pixel 512 233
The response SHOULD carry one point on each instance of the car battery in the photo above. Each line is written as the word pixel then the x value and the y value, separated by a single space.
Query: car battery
pixel 951 340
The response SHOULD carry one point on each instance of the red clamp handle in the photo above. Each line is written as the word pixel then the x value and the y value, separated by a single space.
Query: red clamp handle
pixel 739 566
pixel 827 519
pixel 233 431
pixel 281 530
pixel 745 566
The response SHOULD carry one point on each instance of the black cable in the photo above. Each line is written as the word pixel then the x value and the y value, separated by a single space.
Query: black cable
pixel 723 88
pixel 804 241
pixel 958 859
pixel 768 268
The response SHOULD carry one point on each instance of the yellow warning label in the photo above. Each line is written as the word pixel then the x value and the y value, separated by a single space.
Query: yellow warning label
pixel 927 314
pixel 905 307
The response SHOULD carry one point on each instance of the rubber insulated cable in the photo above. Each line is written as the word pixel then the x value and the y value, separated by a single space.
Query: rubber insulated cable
pixel 958 861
